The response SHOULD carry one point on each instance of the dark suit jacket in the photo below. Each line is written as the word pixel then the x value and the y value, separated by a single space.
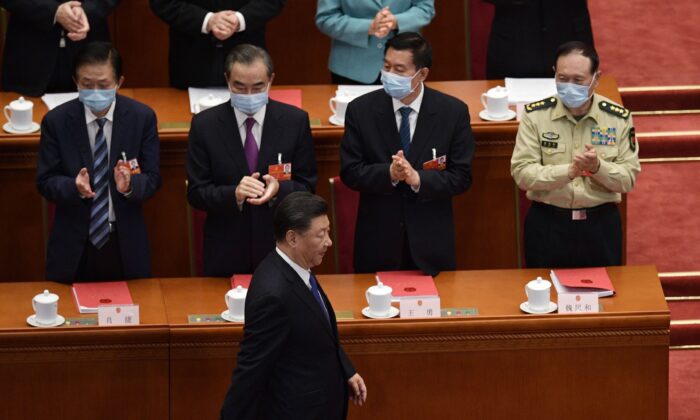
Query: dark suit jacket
pixel 291 364
pixel 525 35
pixel 197 59
pixel 235 241
pixel 371 138
pixel 32 43
pixel 64 150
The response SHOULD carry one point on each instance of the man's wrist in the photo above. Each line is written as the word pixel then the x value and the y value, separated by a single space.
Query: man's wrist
pixel 205 24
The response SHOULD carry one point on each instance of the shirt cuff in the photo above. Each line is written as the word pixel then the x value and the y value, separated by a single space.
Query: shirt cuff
pixel 240 205
pixel 416 189
pixel 394 183
pixel 128 193
pixel 206 22
pixel 241 22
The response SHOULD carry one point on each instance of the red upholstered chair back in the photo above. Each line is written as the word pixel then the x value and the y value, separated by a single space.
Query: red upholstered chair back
pixel 344 203
pixel 523 205
pixel 195 237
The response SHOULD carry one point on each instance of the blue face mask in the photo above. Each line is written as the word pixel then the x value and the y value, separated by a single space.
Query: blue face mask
pixel 398 87
pixel 249 104
pixel 573 95
pixel 97 100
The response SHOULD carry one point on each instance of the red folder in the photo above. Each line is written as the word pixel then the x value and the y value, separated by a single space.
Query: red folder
pixel 576 280
pixel 287 96
pixel 242 280
pixel 88 296
pixel 408 283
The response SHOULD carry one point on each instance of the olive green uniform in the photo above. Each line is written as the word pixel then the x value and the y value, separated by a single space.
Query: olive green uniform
pixel 548 139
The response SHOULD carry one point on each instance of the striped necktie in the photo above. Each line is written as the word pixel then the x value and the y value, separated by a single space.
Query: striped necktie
pixel 405 130
pixel 99 213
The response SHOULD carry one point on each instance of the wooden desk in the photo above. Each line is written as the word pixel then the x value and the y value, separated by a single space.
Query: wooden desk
pixel 498 365
pixel 485 216
pixel 82 372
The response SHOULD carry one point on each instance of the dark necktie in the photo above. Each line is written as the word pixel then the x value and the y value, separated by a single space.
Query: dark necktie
pixel 251 147
pixel 317 296
pixel 99 213
pixel 405 130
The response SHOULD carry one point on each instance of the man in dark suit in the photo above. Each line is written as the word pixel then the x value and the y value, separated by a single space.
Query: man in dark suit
pixel 291 364
pixel 43 37
pixel 407 150
pixel 99 231
pixel 525 35
pixel 202 32
pixel 231 149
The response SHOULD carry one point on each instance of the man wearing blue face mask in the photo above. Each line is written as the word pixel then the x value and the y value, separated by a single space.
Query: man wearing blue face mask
pixel 98 162
pixel 242 158
pixel 408 150
pixel 575 154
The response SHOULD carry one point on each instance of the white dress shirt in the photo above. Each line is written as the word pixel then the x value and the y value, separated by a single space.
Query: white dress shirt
pixel 413 117
pixel 301 271
pixel 92 128
pixel 257 127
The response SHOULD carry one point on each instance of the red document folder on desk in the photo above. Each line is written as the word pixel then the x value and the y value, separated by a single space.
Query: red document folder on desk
pixel 581 280
pixel 287 96
pixel 408 283
pixel 88 296
pixel 242 280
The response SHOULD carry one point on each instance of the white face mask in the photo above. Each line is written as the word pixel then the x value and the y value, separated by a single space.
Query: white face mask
pixel 398 87
pixel 573 95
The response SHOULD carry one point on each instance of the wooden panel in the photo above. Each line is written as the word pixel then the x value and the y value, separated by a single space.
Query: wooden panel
pixel 452 368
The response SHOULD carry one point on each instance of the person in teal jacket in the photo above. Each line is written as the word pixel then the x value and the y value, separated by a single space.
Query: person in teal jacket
pixel 359 29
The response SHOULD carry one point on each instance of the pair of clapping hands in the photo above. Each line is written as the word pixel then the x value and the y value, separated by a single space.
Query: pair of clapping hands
pixel 223 24
pixel 383 23
pixel 122 177
pixel 71 16
pixel 585 163
pixel 401 170
pixel 256 190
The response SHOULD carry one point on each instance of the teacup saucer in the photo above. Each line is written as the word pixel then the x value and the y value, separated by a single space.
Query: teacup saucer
pixel 525 307
pixel 9 129
pixel 393 311
pixel 336 121
pixel 31 320
pixel 227 317
pixel 510 114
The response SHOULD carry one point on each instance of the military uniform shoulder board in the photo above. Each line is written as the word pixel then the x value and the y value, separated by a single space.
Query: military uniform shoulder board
pixel 543 104
pixel 614 109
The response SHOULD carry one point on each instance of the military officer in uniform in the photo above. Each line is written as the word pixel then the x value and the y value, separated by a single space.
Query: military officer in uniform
pixel 575 154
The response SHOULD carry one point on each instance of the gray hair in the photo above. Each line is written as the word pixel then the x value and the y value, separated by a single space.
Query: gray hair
pixel 247 54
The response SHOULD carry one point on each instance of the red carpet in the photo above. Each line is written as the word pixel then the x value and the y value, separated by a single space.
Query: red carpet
pixel 681 122
pixel 684 377
pixel 648 42
pixel 663 220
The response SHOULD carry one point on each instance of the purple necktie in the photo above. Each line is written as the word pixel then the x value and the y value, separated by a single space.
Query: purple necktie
pixel 251 148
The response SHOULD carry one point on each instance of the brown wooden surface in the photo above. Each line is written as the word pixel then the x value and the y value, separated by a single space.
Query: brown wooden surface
pixel 485 218
pixel 499 364
pixel 82 372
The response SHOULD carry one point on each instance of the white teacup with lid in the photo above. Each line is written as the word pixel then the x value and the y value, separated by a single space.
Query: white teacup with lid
pixel 537 292
pixel 46 308
pixel 20 114
pixel 495 101
pixel 235 300
pixel 379 299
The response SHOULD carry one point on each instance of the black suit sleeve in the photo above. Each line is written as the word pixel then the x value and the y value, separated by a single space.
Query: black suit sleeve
pixel 304 176
pixel 145 184
pixel 50 178
pixel 266 330
pixel 180 15
pixel 355 169
pixel 98 10
pixel 39 13
pixel 457 177
pixel 258 13
pixel 202 192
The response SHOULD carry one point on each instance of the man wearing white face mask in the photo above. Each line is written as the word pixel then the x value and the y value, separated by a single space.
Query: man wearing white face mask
pixel 408 151
pixel 242 157
pixel 99 232
pixel 575 154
